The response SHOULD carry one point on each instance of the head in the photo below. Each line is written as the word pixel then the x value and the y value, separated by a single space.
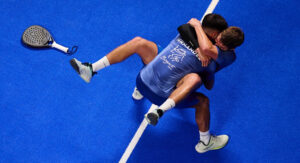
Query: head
pixel 213 24
pixel 230 38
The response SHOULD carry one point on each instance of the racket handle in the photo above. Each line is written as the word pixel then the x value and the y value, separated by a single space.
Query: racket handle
pixel 60 47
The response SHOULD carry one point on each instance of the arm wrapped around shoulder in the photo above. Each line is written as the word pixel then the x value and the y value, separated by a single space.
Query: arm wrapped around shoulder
pixel 188 35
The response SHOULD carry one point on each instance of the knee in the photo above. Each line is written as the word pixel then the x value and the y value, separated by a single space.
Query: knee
pixel 203 99
pixel 139 41
pixel 193 79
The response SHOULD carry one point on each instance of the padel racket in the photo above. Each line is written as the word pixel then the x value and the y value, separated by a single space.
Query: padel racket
pixel 38 37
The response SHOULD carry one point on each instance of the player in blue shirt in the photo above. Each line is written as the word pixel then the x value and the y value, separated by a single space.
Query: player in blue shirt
pixel 183 71
pixel 186 68
pixel 176 61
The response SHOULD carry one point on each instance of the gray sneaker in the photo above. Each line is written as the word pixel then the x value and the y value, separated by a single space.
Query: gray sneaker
pixel 137 94
pixel 85 70
pixel 152 117
pixel 215 142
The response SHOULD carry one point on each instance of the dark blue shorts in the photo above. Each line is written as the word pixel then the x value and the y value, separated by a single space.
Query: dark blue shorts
pixel 188 102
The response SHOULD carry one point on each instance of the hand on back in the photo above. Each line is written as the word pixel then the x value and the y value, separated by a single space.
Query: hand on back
pixel 203 58
pixel 194 22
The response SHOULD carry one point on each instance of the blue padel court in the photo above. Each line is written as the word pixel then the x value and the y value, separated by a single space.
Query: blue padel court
pixel 49 114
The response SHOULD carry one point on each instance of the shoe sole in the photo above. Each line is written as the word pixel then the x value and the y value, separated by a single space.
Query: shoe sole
pixel 74 65
pixel 135 97
pixel 203 151
pixel 221 146
pixel 152 118
pixel 76 68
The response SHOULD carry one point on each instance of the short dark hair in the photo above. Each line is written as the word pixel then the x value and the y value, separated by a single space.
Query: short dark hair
pixel 232 37
pixel 214 21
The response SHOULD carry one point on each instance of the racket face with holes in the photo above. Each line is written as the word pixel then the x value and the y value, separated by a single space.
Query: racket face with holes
pixel 37 37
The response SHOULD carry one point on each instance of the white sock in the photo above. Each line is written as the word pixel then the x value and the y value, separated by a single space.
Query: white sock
pixel 167 105
pixel 204 137
pixel 100 64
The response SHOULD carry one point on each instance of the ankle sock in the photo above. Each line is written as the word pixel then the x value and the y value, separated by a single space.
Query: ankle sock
pixel 204 137
pixel 167 105
pixel 100 64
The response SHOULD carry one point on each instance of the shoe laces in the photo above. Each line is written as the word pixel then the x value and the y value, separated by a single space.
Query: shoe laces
pixel 90 66
pixel 211 136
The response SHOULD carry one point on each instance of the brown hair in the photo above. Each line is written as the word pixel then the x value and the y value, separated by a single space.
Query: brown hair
pixel 232 37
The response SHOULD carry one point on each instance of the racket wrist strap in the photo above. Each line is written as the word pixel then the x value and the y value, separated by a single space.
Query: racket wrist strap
pixel 72 50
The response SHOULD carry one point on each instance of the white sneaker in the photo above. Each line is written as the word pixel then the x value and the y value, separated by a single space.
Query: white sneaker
pixel 85 70
pixel 137 94
pixel 215 142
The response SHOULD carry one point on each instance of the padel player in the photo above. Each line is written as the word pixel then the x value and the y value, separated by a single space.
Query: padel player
pixel 171 77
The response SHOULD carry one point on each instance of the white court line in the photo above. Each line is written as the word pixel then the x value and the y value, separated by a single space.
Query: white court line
pixel 136 137
pixel 144 124
pixel 210 8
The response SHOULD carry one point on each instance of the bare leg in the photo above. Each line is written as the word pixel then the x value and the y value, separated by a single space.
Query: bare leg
pixel 185 86
pixel 202 114
pixel 147 50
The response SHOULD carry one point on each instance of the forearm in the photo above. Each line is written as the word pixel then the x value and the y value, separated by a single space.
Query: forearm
pixel 205 44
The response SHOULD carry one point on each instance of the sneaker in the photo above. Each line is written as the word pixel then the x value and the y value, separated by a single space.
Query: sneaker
pixel 215 142
pixel 85 70
pixel 137 94
pixel 152 117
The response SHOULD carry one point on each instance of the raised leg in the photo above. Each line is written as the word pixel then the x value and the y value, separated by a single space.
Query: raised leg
pixel 147 50
pixel 184 88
